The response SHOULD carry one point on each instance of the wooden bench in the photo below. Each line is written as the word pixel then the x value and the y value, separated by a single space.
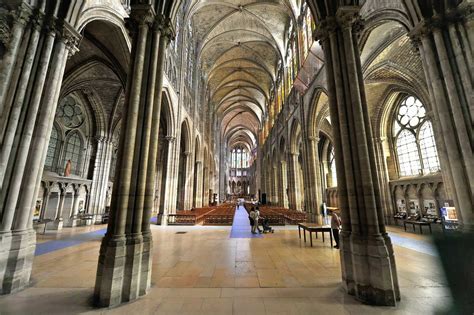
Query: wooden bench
pixel 181 219
pixel 419 223
pixel 314 228
pixel 218 219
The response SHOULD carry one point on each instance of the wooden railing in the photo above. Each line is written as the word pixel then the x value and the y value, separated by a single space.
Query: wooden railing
pixel 181 219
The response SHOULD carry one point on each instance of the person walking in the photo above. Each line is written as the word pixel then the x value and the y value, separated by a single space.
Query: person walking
pixel 335 226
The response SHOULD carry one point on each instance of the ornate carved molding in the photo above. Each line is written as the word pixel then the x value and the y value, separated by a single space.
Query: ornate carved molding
pixel 170 139
pixel 70 37
pixel 141 15
pixel 347 17
pixel 164 25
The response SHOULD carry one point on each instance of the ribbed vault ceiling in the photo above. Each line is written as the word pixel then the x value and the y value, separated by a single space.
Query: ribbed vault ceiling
pixel 240 43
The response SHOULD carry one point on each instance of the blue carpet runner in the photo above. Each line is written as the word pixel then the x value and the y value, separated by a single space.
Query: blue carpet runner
pixel 241 225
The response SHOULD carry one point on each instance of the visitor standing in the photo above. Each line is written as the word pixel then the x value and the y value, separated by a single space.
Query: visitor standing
pixel 257 217
pixel 335 226
pixel 252 220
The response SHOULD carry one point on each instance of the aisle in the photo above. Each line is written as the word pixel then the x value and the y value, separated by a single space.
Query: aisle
pixel 241 225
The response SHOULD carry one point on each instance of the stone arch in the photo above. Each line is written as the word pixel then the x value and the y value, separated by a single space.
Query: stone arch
pixel 295 136
pixel 318 100
pixel 168 111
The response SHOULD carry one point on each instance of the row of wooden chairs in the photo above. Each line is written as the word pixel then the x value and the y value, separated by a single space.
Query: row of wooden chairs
pixel 223 215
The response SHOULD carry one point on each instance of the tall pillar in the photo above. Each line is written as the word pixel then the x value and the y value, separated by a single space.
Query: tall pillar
pixel 275 186
pixel 58 218
pixel 170 182
pixel 198 184
pixel 124 267
pixel 100 178
pixel 294 182
pixel 29 96
pixel 445 42
pixel 72 220
pixel 313 198
pixel 283 184
pixel 385 196
pixel 188 180
pixel 367 260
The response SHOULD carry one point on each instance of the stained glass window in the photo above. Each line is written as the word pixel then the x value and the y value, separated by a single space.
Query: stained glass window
pixel 69 113
pixel 428 148
pixel 414 141
pixel 73 152
pixel 53 150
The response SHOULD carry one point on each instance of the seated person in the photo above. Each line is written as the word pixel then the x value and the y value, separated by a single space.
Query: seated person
pixel 266 227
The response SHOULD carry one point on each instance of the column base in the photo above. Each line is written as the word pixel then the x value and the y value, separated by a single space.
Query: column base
pixel 71 222
pixel 124 270
pixel 17 251
pixel 369 271
pixel 55 225
pixel 164 220
pixel 97 219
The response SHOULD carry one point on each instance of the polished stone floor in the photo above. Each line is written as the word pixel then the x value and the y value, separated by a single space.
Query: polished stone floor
pixel 205 271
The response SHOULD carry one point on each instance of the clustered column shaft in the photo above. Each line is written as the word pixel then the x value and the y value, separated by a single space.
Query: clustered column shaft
pixel 124 268
pixel 41 43
pixel 364 239
pixel 446 51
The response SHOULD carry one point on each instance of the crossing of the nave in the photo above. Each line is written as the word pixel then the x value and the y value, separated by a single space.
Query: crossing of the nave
pixel 138 137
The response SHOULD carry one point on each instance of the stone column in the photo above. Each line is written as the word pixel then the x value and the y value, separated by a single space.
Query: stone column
pixel 275 186
pixel 205 190
pixel 100 178
pixel 313 198
pixel 170 202
pixel 188 180
pixel 367 260
pixel 283 184
pixel 30 105
pixel 445 46
pixel 294 188
pixel 385 196
pixel 44 206
pixel 72 222
pixel 21 17
pixel 124 267
pixel 58 218
pixel 198 196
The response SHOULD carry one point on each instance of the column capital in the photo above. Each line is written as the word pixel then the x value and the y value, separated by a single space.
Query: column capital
pixel 187 153
pixel 164 25
pixel 313 138
pixel 22 14
pixel 346 17
pixel 379 139
pixel 349 17
pixel 70 37
pixel 141 15
pixel 199 162
pixel 440 20
pixel 170 139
